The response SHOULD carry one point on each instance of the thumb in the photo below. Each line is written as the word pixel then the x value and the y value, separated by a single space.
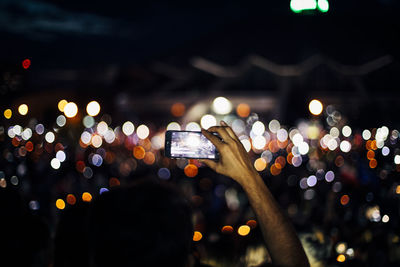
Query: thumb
pixel 210 163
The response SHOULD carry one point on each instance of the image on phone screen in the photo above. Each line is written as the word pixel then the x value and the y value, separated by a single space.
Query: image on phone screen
pixel 185 144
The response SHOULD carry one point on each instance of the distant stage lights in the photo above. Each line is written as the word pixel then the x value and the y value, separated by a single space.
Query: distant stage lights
pixel 298 6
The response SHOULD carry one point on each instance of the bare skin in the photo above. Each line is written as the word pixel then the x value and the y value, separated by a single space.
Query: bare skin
pixel 279 235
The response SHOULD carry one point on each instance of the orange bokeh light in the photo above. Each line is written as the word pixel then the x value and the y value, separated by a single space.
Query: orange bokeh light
pixel 260 164
pixel 149 158
pixel 243 110
pixel 281 161
pixel 252 224
pixel 114 182
pixel 341 258
pixel 370 154
pixel 191 170
pixel 71 199
pixel 227 229
pixel 178 109
pixel 344 200
pixel 197 236
pixel 139 152
pixel 87 197
pixel 373 163
pixel 275 169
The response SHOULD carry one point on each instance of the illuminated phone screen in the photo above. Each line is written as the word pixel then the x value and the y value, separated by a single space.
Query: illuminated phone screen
pixel 191 145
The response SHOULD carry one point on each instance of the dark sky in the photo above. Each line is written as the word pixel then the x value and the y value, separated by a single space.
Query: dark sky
pixel 89 33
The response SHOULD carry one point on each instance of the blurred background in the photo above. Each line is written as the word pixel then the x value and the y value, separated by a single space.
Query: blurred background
pixel 87 91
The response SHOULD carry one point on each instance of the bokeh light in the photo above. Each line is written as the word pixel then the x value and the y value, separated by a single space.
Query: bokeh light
pixel 128 128
pixel 93 108
pixel 178 109
pixel 315 107
pixel 173 126
pixel 61 105
pixel 23 109
pixel 197 236
pixel 86 197
pixel 208 121
pixel 260 164
pixel 70 110
pixel 142 131
pixel 50 137
pixel 60 204
pixel 55 163
pixel 243 110
pixel 7 114
pixel 191 170
pixel 71 199
pixel 26 63
pixel 221 105
pixel 244 230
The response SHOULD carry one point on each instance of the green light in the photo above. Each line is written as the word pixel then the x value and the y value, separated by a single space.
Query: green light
pixel 300 5
pixel 323 5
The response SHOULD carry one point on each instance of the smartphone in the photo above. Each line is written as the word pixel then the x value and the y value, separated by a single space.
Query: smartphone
pixel 191 145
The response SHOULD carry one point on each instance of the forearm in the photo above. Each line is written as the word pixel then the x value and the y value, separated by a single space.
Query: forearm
pixel 279 235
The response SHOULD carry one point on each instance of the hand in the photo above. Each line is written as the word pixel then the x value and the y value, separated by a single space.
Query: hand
pixel 234 160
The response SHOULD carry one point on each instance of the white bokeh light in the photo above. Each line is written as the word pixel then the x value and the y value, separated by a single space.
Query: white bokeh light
pixel 366 134
pixel 102 128
pixel 128 128
pixel 221 105
pixel 50 137
pixel 193 127
pixel 345 146
pixel 93 108
pixel 208 121
pixel 55 163
pixel 86 137
pixel 315 107
pixel 346 131
pixel 173 126
pixel 258 128
pixel 274 126
pixel 60 155
pixel 70 110
pixel 142 131
pixel 259 142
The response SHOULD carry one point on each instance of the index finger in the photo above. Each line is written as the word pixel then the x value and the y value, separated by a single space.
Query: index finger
pixel 214 140
pixel 222 133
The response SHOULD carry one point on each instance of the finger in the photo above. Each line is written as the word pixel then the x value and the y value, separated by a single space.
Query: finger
pixel 210 163
pixel 215 140
pixel 229 131
pixel 222 133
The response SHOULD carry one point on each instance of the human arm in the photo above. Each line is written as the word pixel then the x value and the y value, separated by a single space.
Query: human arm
pixel 279 235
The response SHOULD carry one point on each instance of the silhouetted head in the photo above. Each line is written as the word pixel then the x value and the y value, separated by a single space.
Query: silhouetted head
pixel 147 224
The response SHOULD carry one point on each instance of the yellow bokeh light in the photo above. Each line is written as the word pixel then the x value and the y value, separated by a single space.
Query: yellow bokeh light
pixel 70 110
pixel 62 104
pixel 341 258
pixel 23 109
pixel 244 230
pixel 93 108
pixel 60 204
pixel 315 107
pixel 197 236
pixel 87 197
pixel 7 113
